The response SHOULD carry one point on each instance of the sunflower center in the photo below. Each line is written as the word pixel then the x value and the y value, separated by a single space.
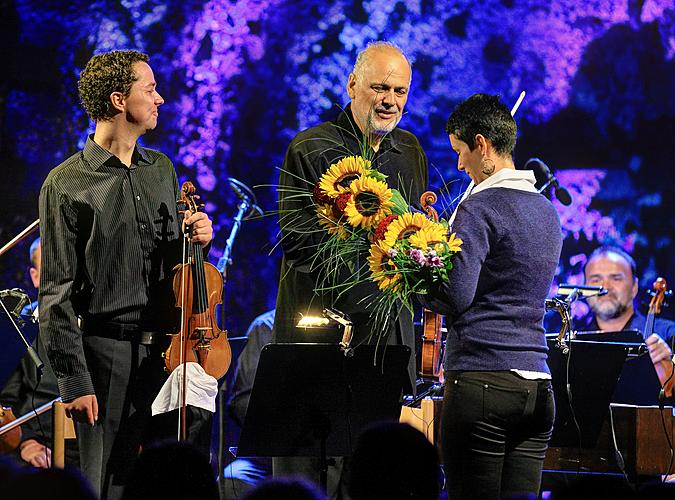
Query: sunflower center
pixel 389 266
pixel 346 180
pixel 367 203
pixel 407 232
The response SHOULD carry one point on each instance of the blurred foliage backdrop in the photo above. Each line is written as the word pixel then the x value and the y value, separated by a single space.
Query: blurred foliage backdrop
pixel 241 77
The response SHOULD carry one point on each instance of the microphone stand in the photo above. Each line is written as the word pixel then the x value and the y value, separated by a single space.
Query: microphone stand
pixel 31 352
pixel 8 246
pixel 13 242
pixel 247 207
pixel 546 186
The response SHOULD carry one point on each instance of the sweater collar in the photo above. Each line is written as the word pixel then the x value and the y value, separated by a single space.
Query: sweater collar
pixel 522 180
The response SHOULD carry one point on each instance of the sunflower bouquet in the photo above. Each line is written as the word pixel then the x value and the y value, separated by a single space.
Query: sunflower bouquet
pixel 362 215
pixel 409 254
pixel 351 198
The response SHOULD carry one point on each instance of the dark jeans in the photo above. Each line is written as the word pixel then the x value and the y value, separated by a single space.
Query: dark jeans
pixel 495 432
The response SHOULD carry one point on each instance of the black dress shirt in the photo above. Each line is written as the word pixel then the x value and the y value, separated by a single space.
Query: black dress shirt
pixel 110 239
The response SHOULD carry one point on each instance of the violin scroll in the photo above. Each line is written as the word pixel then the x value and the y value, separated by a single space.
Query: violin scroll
pixel 660 291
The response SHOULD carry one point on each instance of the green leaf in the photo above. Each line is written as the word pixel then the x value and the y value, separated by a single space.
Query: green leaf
pixel 375 175
pixel 400 205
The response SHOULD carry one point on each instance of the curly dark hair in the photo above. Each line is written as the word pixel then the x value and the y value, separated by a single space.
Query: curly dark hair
pixel 486 115
pixel 104 74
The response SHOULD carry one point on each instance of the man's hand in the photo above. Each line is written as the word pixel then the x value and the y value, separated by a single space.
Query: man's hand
pixel 36 454
pixel 202 227
pixel 658 349
pixel 83 409
pixel 662 359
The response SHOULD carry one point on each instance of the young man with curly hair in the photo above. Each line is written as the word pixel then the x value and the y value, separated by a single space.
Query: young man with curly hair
pixel 111 236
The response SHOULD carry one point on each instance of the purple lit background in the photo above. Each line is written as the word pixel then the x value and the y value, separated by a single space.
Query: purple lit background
pixel 240 78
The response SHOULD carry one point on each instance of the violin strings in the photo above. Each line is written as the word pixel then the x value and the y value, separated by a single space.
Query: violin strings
pixel 182 340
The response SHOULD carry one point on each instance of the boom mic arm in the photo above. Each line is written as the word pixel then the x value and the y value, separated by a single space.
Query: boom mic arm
pixel 545 179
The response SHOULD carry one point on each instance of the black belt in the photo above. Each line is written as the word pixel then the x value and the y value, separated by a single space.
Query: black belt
pixel 121 331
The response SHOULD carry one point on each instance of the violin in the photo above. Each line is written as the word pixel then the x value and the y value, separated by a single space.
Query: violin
pixel 9 441
pixel 664 368
pixel 431 363
pixel 198 287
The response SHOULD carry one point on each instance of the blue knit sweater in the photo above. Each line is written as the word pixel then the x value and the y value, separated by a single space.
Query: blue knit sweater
pixel 494 301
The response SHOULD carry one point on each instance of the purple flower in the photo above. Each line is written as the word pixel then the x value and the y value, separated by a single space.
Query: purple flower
pixel 417 256
pixel 434 261
pixel 392 252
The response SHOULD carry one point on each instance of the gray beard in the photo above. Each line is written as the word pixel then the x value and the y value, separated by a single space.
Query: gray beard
pixel 608 310
pixel 374 129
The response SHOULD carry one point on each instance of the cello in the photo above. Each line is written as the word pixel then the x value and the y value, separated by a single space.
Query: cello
pixel 431 362
pixel 198 287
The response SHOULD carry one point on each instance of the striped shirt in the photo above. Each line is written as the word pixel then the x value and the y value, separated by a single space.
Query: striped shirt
pixel 110 239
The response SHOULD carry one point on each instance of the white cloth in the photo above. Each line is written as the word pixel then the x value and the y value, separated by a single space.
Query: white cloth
pixel 509 178
pixel 201 390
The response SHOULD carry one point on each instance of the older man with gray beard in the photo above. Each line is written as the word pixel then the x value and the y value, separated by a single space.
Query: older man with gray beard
pixel 378 89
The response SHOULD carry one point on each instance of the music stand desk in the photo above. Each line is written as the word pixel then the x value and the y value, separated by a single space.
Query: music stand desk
pixel 312 400
pixel 591 369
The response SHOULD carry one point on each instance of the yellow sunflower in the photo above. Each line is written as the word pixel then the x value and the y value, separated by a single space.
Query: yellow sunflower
pixel 370 202
pixel 339 176
pixel 454 243
pixel 406 224
pixel 331 224
pixel 429 236
pixel 382 268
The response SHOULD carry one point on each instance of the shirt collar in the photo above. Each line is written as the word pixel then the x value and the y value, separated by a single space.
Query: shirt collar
pixel 522 180
pixel 97 156
pixel 509 178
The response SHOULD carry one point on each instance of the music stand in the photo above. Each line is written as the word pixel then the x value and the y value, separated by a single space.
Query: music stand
pixel 593 373
pixel 312 400
pixel 626 336
pixel 638 383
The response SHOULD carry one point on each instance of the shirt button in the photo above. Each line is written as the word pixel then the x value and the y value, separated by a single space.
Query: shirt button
pixel 138 198
pixel 142 226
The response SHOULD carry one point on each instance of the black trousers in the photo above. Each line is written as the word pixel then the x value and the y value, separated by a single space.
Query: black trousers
pixel 495 432
pixel 127 377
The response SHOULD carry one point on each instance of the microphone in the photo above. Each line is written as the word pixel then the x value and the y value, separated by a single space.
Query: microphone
pixel 545 178
pixel 17 300
pixel 246 195
pixel 581 290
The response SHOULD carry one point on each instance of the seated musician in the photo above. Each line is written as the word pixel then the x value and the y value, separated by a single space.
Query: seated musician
pixel 615 270
pixel 612 268
pixel 23 393
pixel 244 473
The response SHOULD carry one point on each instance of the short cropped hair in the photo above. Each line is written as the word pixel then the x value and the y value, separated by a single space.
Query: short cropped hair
pixel 362 56
pixel 486 115
pixel 104 74
pixel 33 250
pixel 613 249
